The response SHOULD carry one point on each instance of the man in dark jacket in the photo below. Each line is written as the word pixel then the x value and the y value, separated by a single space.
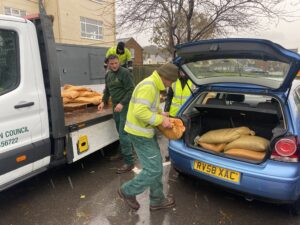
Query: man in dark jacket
pixel 119 85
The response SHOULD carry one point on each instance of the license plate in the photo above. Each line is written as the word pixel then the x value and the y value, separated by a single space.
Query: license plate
pixel 217 171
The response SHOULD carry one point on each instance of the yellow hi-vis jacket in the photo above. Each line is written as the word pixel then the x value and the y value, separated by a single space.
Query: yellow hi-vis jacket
pixel 124 58
pixel 179 95
pixel 144 107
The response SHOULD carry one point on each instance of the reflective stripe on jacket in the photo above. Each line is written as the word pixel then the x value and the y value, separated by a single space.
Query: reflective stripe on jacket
pixel 179 95
pixel 144 111
pixel 124 58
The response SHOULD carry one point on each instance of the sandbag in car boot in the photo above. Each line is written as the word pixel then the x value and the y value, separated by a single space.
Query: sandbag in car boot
pixel 254 143
pixel 246 154
pixel 225 135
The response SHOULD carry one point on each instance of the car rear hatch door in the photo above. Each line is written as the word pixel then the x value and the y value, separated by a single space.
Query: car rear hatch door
pixel 256 62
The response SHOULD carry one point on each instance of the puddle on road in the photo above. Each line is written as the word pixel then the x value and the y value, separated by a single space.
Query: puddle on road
pixel 107 208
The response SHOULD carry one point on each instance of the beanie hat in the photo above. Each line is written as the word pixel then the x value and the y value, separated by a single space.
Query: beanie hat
pixel 169 71
pixel 121 46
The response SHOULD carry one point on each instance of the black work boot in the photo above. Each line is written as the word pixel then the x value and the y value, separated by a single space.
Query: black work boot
pixel 169 202
pixel 125 168
pixel 130 200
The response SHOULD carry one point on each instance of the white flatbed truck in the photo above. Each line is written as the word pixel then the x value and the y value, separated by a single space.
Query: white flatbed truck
pixel 35 131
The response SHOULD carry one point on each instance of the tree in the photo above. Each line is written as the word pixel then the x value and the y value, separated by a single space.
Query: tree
pixel 182 34
pixel 177 21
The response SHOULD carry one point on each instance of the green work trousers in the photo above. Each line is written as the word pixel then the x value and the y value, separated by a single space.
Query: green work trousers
pixel 148 152
pixel 125 143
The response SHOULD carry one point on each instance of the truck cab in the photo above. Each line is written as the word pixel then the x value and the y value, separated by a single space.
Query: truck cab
pixel 24 126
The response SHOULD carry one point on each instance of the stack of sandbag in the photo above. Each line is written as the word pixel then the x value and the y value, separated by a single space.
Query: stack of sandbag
pixel 248 147
pixel 78 94
pixel 175 132
pixel 239 142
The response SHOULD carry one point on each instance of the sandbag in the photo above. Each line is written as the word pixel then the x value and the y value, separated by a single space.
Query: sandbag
pixel 208 96
pixel 79 95
pixel 254 143
pixel 66 100
pixel 246 154
pixel 224 135
pixel 89 100
pixel 213 147
pixel 69 94
pixel 175 132
pixel 75 88
pixel 88 94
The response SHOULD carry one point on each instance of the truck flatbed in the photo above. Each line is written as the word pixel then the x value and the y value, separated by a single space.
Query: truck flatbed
pixel 87 116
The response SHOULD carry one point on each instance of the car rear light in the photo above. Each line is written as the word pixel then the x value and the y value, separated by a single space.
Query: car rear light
pixel 286 150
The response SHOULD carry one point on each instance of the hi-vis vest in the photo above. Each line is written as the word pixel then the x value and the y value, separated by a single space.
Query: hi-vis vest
pixel 144 107
pixel 179 95
pixel 124 58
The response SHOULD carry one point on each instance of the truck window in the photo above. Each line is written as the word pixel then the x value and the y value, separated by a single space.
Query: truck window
pixel 9 61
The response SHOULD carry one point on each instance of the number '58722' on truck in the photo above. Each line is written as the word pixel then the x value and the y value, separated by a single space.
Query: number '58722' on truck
pixel 35 133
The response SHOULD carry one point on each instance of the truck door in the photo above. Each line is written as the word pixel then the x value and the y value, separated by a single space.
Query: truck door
pixel 24 146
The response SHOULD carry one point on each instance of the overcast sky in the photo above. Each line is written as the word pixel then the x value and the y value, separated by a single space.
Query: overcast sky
pixel 284 33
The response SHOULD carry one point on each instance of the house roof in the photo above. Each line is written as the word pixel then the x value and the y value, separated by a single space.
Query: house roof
pixel 294 50
pixel 128 39
pixel 123 39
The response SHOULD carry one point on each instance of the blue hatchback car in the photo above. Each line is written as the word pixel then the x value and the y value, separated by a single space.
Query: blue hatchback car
pixel 249 84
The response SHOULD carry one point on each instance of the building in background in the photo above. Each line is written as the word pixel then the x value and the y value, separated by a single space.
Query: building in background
pixel 77 22
pixel 135 49
pixel 294 50
pixel 155 55
pixel 83 31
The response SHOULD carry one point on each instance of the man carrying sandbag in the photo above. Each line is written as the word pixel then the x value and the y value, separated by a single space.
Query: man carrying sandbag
pixel 142 118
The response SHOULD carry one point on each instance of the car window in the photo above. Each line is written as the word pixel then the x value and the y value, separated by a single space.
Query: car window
pixel 9 61
pixel 239 67
pixel 261 72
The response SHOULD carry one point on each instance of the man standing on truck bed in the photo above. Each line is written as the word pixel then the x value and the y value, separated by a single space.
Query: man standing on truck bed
pixel 123 54
pixel 119 85
pixel 142 118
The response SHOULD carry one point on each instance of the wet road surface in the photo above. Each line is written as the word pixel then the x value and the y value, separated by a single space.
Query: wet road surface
pixel 85 193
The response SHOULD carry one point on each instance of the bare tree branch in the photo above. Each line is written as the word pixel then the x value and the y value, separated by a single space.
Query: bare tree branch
pixel 177 21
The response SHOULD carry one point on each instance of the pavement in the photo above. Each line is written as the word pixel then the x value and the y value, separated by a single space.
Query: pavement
pixel 86 193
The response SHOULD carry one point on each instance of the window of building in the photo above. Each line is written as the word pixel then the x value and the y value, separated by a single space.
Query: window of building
pixel 91 29
pixel 97 1
pixel 132 53
pixel 14 12
pixel 9 61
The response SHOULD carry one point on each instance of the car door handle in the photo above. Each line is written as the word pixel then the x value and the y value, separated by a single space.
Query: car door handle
pixel 23 105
